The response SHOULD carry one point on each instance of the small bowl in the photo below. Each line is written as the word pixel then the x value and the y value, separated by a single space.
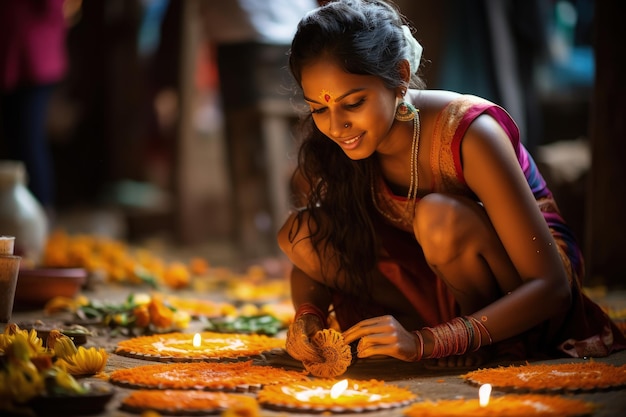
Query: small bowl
pixel 92 402
pixel 35 287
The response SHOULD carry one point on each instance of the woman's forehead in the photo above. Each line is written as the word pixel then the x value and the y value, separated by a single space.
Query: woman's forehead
pixel 324 80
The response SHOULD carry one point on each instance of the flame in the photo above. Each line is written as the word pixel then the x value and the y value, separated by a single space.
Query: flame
pixel 338 389
pixel 483 394
pixel 197 340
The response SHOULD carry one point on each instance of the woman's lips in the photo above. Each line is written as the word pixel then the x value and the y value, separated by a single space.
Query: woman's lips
pixel 352 142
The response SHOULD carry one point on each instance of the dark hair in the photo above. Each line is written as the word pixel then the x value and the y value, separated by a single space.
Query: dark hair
pixel 363 37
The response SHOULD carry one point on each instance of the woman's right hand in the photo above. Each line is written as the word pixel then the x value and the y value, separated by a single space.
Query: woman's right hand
pixel 299 334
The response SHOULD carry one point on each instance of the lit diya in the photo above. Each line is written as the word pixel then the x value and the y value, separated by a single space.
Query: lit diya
pixel 205 346
pixel 183 402
pixel 579 376
pixel 214 376
pixel 326 395
pixel 517 405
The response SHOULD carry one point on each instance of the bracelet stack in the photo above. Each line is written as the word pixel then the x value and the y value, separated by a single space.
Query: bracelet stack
pixel 308 308
pixel 455 337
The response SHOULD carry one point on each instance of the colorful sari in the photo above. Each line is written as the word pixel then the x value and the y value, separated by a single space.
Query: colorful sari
pixel 586 331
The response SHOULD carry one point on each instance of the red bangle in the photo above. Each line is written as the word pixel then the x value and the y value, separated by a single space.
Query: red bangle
pixel 420 346
pixel 308 308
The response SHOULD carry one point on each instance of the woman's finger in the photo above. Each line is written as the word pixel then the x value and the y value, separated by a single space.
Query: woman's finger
pixel 367 327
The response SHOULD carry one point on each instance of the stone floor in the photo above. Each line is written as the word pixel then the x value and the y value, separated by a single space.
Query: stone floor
pixel 426 383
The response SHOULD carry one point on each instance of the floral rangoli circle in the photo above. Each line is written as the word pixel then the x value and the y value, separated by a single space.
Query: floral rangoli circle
pixel 178 347
pixel 579 376
pixel 513 405
pixel 214 376
pixel 316 396
pixel 181 402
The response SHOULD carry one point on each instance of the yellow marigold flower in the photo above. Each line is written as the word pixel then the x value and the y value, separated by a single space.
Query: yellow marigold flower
pixel 120 319
pixel 256 273
pixel 55 256
pixel 62 345
pixel 12 329
pixel 154 268
pixel 60 303
pixel 177 275
pixel 79 254
pixel 117 273
pixel 55 250
pixel 249 309
pixel 85 362
pixel 198 266
pixel 283 311
pixel 181 319
pixel 132 277
pixel 145 258
pixel 142 316
pixel 58 237
pixel 140 299
pixel 229 310
pixel 35 344
pixel 242 290
pixel 160 314
pixel 63 381
pixel 94 263
pixel 81 300
pixel 155 265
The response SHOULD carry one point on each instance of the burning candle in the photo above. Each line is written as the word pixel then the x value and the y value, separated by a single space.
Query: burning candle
pixel 197 340
pixel 484 392
pixel 338 389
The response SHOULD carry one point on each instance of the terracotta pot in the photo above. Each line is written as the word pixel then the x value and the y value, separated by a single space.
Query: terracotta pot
pixel 37 286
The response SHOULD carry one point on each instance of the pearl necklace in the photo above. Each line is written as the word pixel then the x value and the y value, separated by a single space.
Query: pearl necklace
pixel 414 182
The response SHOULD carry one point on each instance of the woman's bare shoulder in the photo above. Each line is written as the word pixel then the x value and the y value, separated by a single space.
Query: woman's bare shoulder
pixel 432 100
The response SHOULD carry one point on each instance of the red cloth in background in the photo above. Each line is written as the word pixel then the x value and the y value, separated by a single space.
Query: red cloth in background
pixel 32 42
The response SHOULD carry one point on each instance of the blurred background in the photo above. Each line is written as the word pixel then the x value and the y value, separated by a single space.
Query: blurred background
pixel 175 120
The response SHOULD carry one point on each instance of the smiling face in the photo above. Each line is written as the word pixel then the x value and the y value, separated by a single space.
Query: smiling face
pixel 355 111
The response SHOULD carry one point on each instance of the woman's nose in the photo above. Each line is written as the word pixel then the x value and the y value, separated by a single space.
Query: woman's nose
pixel 338 126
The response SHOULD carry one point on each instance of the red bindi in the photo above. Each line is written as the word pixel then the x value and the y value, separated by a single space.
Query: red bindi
pixel 326 95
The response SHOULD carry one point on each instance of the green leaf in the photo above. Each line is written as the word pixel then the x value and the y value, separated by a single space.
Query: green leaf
pixel 261 324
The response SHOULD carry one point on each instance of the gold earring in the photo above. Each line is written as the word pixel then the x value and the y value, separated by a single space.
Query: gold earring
pixel 405 111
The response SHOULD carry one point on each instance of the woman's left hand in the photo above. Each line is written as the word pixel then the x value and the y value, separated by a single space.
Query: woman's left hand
pixel 383 335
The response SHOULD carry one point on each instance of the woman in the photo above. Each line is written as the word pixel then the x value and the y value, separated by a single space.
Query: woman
pixel 425 226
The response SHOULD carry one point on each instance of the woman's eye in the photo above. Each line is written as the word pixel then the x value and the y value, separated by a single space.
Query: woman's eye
pixel 318 111
pixel 357 104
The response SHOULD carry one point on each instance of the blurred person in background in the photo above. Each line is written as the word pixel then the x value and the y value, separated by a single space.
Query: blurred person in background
pixel 252 38
pixel 33 60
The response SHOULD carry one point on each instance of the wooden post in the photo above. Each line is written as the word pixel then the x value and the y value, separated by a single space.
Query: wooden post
pixel 606 199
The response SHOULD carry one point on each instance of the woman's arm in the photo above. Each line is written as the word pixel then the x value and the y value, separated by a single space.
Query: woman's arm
pixel 492 171
pixel 306 290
